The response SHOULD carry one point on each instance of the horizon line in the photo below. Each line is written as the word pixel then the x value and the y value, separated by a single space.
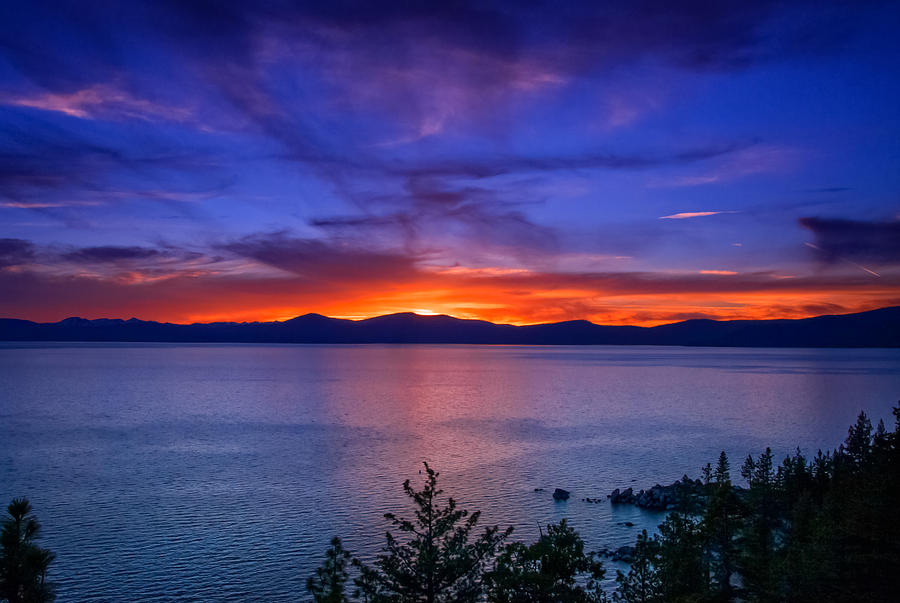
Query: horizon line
pixel 434 315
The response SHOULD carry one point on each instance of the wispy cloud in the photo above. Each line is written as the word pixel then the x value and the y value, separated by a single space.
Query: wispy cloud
pixel 98 101
pixel 47 204
pixel 695 214
pixel 750 160
pixel 46 166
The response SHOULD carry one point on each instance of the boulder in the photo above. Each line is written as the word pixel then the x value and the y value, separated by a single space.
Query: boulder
pixel 560 494
pixel 623 553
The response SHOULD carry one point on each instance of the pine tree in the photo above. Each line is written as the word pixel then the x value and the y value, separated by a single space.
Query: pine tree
pixel 707 473
pixel 435 561
pixel 641 584
pixel 723 470
pixel 756 564
pixel 680 561
pixel 858 445
pixel 328 583
pixel 555 568
pixel 23 564
pixel 719 526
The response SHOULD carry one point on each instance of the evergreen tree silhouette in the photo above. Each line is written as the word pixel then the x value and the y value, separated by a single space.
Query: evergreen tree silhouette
pixel 435 559
pixel 23 564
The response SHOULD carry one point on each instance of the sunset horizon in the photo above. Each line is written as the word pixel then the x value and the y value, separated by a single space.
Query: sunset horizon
pixel 509 164
pixel 431 313
pixel 473 301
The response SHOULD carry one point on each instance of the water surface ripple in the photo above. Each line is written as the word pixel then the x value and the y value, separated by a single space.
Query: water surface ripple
pixel 219 472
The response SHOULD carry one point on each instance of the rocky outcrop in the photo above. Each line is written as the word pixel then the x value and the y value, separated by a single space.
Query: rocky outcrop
pixel 623 553
pixel 661 498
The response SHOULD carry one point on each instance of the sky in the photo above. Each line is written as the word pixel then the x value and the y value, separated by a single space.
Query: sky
pixel 636 162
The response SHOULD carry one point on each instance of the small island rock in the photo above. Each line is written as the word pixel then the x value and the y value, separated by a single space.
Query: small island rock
pixel 560 494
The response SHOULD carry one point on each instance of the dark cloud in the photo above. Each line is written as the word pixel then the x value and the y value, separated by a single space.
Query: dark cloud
pixel 226 56
pixel 323 261
pixel 229 30
pixel 432 210
pixel 110 253
pixel 232 45
pixel 439 200
pixel 44 165
pixel 828 189
pixel 35 156
pixel 838 239
pixel 14 252
pixel 356 221
pixel 694 34
pixel 483 216
pixel 111 262
pixel 497 166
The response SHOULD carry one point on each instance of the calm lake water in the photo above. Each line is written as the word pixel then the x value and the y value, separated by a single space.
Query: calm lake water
pixel 220 472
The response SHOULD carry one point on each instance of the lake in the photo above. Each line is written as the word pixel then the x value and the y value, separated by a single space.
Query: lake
pixel 219 472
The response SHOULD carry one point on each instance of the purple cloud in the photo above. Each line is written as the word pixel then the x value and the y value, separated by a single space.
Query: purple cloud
pixel 14 252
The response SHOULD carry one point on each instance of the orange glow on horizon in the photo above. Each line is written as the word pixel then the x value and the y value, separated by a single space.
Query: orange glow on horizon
pixel 645 311
pixel 497 295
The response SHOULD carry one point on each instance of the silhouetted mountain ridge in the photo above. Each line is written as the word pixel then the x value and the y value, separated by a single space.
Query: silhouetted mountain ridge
pixel 876 328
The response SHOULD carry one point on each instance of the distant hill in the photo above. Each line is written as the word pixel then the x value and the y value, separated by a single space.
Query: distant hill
pixel 877 328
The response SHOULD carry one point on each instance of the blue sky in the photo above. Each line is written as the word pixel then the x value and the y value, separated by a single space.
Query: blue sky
pixel 624 162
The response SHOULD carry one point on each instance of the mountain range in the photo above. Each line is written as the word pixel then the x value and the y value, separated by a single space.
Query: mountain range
pixel 876 328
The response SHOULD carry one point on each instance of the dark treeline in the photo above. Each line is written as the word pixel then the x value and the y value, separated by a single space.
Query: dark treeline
pixel 821 529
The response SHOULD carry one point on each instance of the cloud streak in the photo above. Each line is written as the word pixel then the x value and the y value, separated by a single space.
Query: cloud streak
pixel 694 214
pixel 110 253
pixel 99 101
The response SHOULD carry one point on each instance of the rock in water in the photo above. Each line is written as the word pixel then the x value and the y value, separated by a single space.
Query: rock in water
pixel 560 494
pixel 624 553
pixel 662 498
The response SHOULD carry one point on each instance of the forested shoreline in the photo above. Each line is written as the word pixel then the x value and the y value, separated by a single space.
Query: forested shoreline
pixel 811 529
pixel 819 529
